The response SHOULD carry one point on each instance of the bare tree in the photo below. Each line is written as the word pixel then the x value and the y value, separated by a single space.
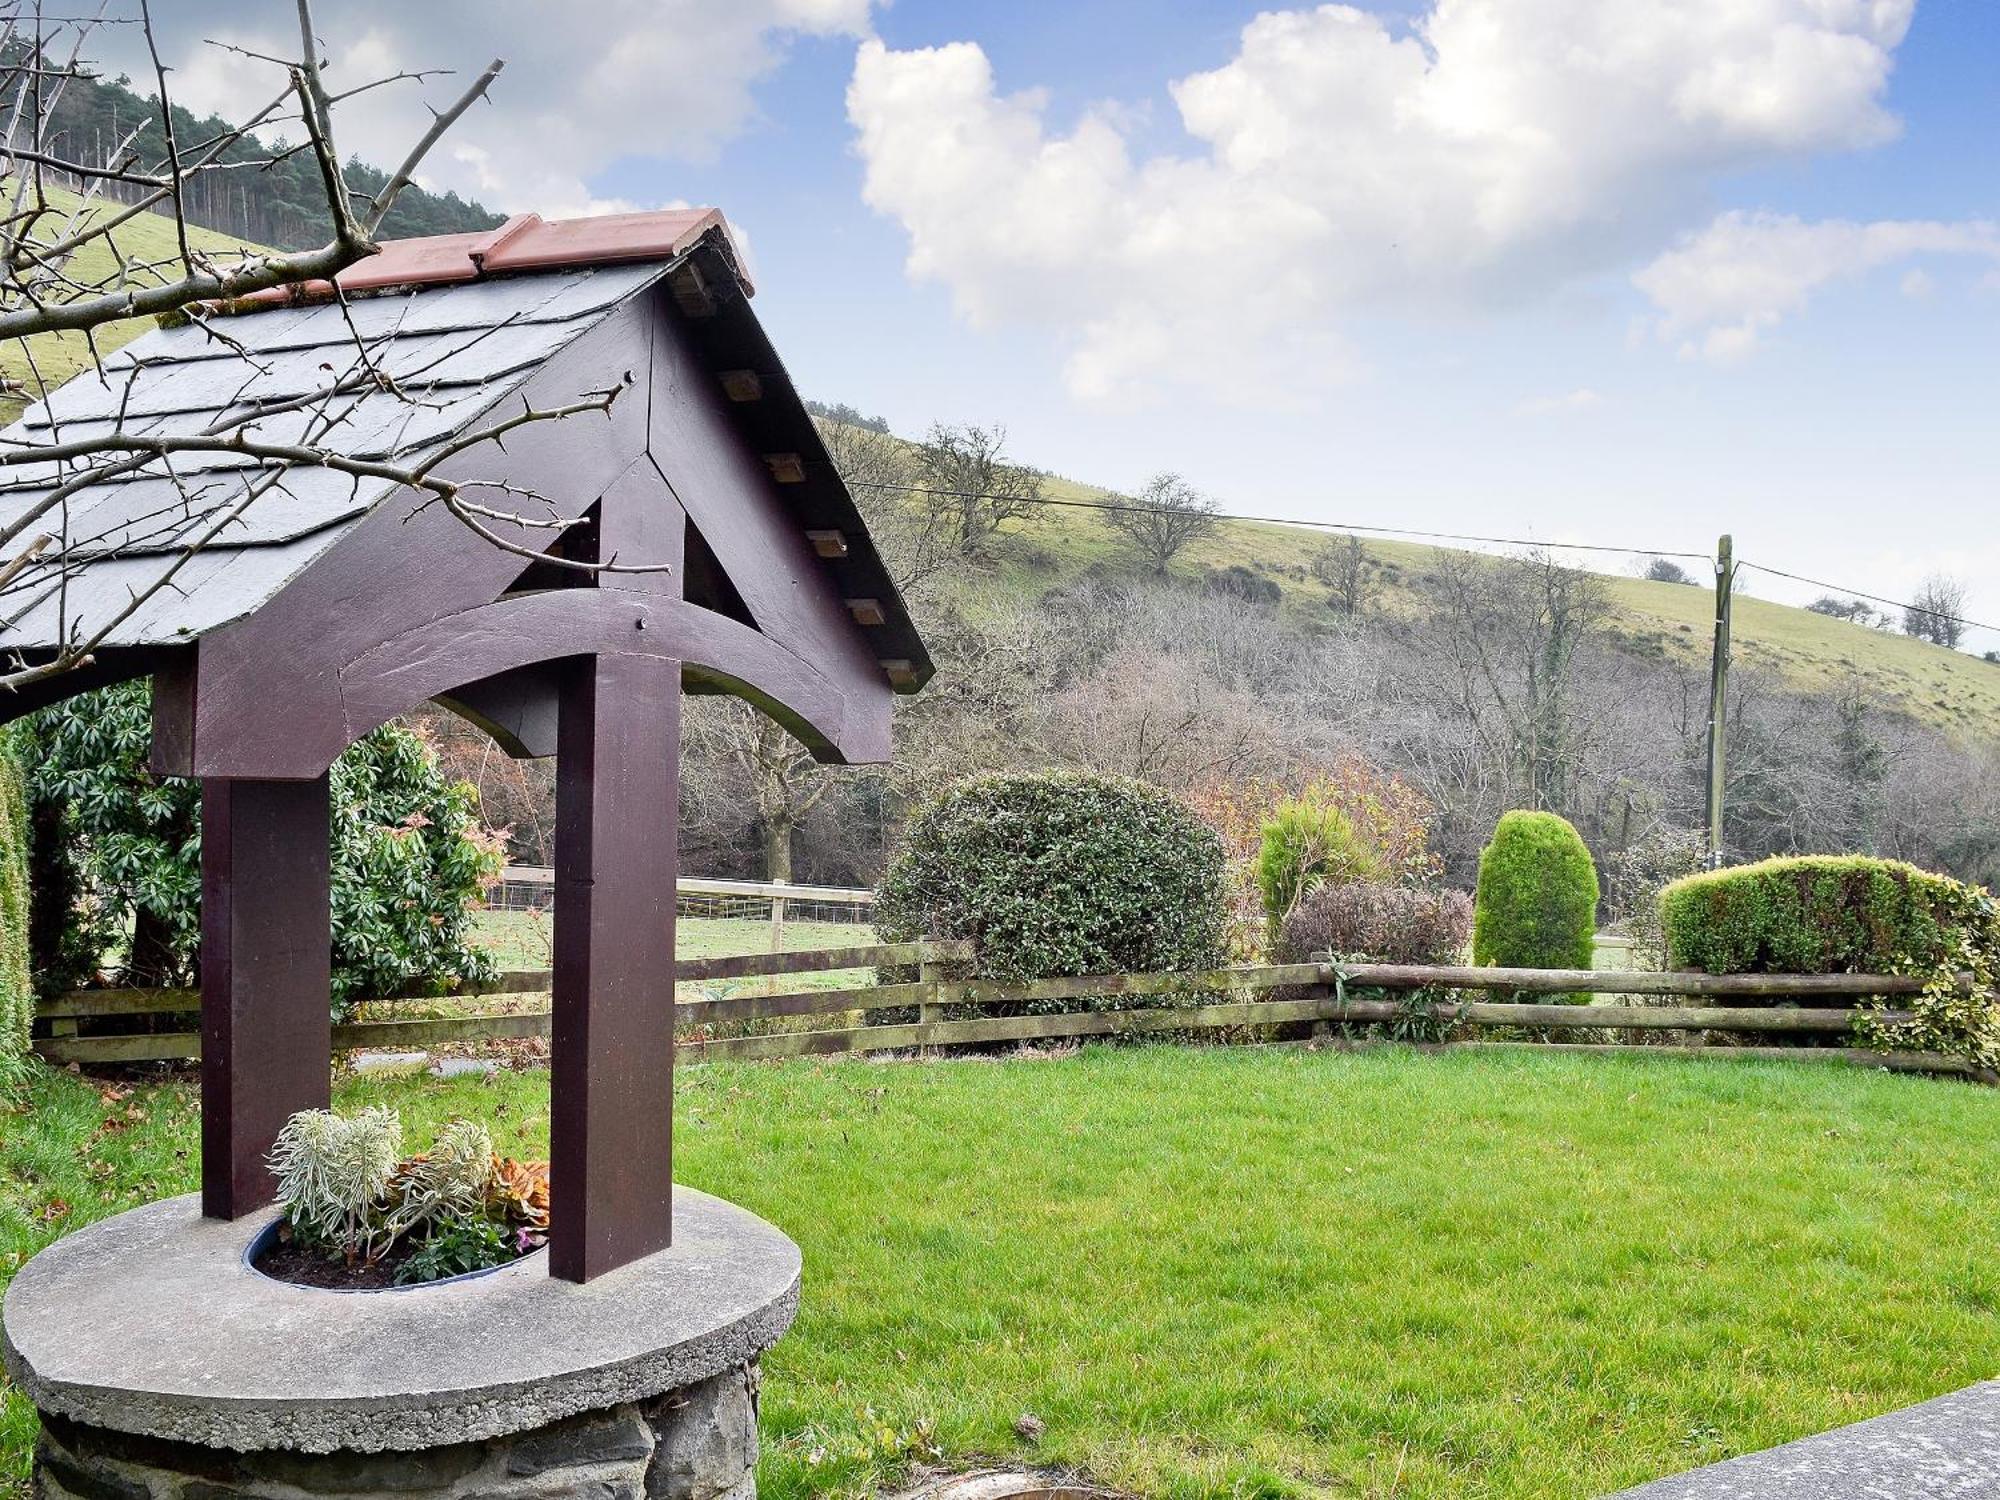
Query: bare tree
pixel 1167 515
pixel 969 489
pixel 1936 614
pixel 784 781
pixel 1342 565
pixel 881 473
pixel 65 270
pixel 1505 643
pixel 1664 570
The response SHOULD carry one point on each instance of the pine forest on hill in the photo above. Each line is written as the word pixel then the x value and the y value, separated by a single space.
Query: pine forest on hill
pixel 94 121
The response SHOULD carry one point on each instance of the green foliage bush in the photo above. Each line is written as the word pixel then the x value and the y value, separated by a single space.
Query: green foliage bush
pixel 17 992
pixel 117 856
pixel 1849 914
pixel 1059 873
pixel 1813 914
pixel 1536 907
pixel 1309 842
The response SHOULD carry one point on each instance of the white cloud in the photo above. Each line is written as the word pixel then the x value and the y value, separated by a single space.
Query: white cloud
pixel 1498 149
pixel 1720 290
pixel 600 81
pixel 1579 400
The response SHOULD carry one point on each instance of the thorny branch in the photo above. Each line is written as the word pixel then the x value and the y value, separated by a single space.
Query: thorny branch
pixel 66 222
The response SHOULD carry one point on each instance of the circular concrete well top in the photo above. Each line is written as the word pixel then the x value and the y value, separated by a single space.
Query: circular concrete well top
pixel 152 1323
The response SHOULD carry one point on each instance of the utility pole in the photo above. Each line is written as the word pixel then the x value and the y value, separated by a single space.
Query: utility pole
pixel 1718 696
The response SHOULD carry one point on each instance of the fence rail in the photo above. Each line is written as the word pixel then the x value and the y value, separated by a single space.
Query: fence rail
pixel 532 888
pixel 1316 995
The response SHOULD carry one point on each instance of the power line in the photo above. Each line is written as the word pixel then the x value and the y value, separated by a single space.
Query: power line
pixel 1223 515
pixel 1409 531
pixel 1818 583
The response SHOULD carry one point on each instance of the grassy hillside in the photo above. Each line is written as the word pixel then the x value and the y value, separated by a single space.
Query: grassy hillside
pixel 1949 689
pixel 54 358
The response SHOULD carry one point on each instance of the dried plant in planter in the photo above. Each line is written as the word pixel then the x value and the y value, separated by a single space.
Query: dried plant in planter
pixel 518 1194
pixel 359 1213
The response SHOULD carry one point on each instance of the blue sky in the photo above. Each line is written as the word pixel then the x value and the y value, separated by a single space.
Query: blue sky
pixel 1638 271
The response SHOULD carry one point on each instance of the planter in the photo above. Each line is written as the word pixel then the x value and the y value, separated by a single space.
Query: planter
pixel 268 1238
pixel 165 1367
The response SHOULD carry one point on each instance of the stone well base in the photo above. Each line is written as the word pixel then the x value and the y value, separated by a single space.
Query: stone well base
pixel 696 1443
pixel 165 1368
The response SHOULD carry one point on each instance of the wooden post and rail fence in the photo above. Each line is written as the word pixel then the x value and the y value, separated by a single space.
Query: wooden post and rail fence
pixel 84 1027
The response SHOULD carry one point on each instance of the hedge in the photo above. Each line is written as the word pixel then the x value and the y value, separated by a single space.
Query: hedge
pixel 1849 914
pixel 17 993
pixel 117 856
pixel 1059 873
pixel 1391 924
pixel 1817 914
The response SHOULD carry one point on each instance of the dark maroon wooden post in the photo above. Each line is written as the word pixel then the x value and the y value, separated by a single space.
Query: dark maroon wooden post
pixel 266 976
pixel 617 801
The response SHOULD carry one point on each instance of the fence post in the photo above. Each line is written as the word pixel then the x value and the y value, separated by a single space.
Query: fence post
pixel 777 932
pixel 930 1010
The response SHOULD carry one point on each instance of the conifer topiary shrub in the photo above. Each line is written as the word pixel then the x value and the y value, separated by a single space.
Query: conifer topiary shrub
pixel 1059 873
pixel 1536 907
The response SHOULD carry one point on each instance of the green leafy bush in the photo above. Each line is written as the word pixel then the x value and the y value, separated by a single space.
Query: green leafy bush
pixel 1813 914
pixel 1849 914
pixel 456 1246
pixel 117 856
pixel 1309 842
pixel 1537 902
pixel 17 993
pixel 1059 873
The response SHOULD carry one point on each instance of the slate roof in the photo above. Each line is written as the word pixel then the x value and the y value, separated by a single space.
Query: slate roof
pixel 459 341
pixel 456 351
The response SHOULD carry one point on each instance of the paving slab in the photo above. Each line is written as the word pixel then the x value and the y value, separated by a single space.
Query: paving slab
pixel 1947 1449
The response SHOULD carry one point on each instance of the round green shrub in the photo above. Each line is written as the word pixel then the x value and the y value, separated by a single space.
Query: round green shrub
pixel 1059 873
pixel 1536 906
pixel 1306 844
pixel 1816 914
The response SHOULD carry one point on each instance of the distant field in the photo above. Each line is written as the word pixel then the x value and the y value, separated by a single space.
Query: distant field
pixel 146 238
pixel 1949 689
pixel 520 940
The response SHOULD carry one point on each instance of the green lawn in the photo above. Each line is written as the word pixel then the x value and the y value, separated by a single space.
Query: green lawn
pixel 1217 1272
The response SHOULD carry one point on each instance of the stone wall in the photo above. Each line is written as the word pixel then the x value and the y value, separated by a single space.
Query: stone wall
pixel 695 1443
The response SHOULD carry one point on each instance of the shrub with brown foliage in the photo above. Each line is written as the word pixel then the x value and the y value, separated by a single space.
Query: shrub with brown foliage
pixel 1396 924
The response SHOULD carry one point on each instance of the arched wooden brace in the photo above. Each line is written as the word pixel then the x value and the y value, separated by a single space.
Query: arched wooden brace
pixel 510 634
